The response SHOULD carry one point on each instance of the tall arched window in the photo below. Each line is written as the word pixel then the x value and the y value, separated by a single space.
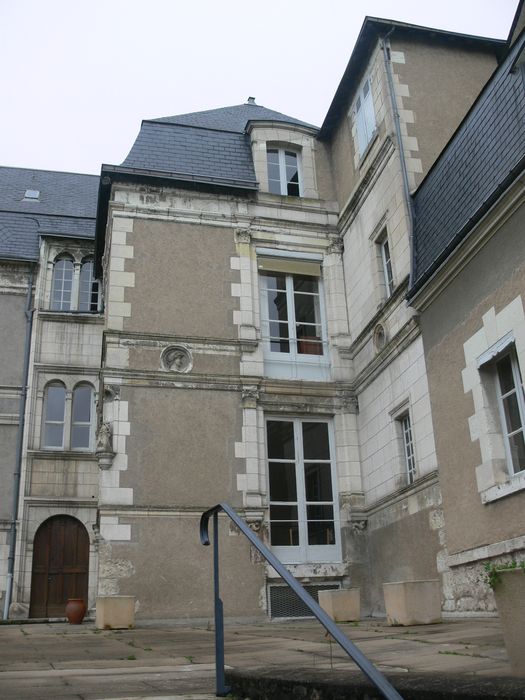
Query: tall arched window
pixel 81 417
pixel 88 287
pixel 54 415
pixel 62 287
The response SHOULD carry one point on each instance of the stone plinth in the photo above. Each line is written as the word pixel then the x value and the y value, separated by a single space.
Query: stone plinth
pixel 115 612
pixel 509 592
pixel 413 602
pixel 342 605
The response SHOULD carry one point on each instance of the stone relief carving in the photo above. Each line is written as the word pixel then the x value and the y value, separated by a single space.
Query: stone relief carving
pixel 336 246
pixel 176 358
pixel 104 447
pixel 348 401
pixel 358 526
pixel 111 392
pixel 250 396
pixel 243 235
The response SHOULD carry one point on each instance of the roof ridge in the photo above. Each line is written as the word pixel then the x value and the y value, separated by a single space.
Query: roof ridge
pixel 188 126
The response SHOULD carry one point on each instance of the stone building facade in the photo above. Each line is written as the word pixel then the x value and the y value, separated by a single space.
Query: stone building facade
pixel 250 342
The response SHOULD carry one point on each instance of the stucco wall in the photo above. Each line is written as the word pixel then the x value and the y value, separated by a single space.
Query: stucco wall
pixel 440 103
pixel 182 279
pixel 181 446
pixel 171 573
pixel 493 279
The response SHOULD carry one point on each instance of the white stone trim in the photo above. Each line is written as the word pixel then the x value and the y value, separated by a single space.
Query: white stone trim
pixel 496 549
pixel 497 333
pixel 116 308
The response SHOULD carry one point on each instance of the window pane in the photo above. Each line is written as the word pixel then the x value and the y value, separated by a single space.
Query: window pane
pixel 82 404
pixel 277 308
pixel 55 403
pixel 274 280
pixel 306 308
pixel 506 379
pixel 517 451
pixel 512 413
pixel 318 482
pixel 303 283
pixel 315 441
pixel 282 481
pixel 321 533
pixel 280 440
pixel 320 512
pixel 283 512
pixel 279 346
pixel 53 435
pixel 284 534
pixel 80 436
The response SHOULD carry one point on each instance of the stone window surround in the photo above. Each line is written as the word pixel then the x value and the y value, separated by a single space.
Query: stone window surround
pixel 78 254
pixel 295 366
pixel 397 414
pixel 285 136
pixel 70 382
pixel 499 331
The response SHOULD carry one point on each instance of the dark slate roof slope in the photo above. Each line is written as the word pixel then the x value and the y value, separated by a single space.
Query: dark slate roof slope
pixel 193 153
pixel 209 147
pixel 233 118
pixel 479 162
pixel 66 207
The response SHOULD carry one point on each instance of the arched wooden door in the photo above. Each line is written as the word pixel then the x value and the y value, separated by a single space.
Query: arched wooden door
pixel 60 566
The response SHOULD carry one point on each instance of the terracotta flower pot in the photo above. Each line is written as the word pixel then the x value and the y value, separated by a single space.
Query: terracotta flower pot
pixel 75 610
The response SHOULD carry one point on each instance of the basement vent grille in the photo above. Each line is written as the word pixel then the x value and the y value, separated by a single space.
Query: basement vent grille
pixel 283 602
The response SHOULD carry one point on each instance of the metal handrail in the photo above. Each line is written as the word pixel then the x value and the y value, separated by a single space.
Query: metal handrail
pixel 368 668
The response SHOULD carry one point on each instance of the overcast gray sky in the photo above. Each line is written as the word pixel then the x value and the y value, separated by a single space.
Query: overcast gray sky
pixel 79 75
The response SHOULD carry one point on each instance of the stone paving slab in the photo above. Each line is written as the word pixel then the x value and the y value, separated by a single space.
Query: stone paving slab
pixel 56 660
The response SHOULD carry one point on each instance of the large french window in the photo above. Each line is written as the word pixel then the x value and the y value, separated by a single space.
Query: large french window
pixel 68 420
pixel 283 172
pixel 292 318
pixel 304 520
pixel 73 286
pixel 511 403
pixel 365 119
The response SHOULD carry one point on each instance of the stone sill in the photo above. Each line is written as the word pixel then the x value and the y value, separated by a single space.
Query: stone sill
pixel 513 485
pixel 71 316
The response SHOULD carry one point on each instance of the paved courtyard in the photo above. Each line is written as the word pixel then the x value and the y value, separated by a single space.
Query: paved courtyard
pixel 39 661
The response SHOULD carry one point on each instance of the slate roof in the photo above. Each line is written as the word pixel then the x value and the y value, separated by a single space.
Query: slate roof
pixel 481 160
pixel 66 206
pixel 232 118
pixel 210 146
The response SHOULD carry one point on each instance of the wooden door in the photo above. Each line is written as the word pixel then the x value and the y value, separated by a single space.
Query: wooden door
pixel 60 566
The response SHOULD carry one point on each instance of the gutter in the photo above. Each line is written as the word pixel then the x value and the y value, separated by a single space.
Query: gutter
pixel 385 46
pixel 19 444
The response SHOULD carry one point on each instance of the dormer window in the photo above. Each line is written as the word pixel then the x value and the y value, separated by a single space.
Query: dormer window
pixel 33 195
pixel 283 172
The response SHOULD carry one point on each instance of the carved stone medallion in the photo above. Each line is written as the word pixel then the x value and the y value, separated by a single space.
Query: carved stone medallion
pixel 176 358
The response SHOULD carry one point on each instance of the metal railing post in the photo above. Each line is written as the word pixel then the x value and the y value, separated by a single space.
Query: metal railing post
pixel 220 688
pixel 371 672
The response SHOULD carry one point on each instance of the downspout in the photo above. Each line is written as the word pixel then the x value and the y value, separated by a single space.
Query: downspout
pixel 385 46
pixel 20 441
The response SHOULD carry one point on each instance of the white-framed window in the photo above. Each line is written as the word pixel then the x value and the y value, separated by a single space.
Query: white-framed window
pixel 283 171
pixel 365 119
pixel 292 317
pixel 386 264
pixel 511 404
pixel 304 517
pixel 73 287
pixel 54 416
pixel 62 284
pixel 88 287
pixel 62 410
pixel 407 439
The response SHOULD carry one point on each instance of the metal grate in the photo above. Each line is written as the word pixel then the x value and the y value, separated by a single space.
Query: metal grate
pixel 283 602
